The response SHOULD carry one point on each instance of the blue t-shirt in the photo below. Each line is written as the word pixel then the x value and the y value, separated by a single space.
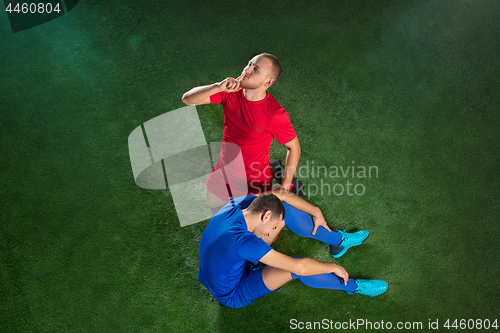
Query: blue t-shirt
pixel 227 248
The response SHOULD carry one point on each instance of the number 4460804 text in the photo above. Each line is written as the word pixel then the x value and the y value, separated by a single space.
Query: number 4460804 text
pixel 40 8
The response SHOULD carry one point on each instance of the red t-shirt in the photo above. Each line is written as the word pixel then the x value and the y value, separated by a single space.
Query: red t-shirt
pixel 252 126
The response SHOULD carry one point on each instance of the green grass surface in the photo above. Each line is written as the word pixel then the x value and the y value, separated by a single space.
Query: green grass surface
pixel 411 87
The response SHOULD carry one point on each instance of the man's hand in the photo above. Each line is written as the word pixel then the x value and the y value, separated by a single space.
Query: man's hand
pixel 341 273
pixel 230 84
pixel 319 220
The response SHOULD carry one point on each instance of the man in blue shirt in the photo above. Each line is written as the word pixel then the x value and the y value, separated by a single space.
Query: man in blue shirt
pixel 238 237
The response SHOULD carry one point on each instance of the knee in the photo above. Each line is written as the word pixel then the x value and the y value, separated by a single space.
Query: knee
pixel 214 202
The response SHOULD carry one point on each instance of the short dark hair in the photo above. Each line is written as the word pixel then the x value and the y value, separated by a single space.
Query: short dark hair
pixel 276 64
pixel 265 202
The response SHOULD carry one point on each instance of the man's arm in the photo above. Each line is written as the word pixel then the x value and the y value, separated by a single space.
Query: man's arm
pixel 299 203
pixel 201 95
pixel 292 160
pixel 303 266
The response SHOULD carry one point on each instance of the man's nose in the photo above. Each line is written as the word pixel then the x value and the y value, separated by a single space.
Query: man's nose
pixel 248 69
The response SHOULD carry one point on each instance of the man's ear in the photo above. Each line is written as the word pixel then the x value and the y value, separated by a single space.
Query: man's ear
pixel 269 82
pixel 266 216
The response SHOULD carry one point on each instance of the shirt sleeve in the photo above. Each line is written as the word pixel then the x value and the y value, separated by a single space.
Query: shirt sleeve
pixel 244 201
pixel 281 127
pixel 252 248
pixel 217 98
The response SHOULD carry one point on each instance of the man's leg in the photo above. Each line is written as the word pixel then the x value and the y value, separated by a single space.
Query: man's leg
pixel 302 224
pixel 275 278
pixel 214 202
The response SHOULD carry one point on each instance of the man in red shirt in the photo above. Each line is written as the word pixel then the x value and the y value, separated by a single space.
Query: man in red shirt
pixel 252 119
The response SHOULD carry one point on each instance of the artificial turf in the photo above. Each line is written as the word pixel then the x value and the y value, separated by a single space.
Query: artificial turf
pixel 409 87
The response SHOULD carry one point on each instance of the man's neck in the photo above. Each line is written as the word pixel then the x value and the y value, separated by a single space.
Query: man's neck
pixel 255 95
pixel 249 219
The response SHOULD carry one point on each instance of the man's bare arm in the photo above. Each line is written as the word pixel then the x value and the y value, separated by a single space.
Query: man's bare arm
pixel 201 95
pixel 303 266
pixel 292 160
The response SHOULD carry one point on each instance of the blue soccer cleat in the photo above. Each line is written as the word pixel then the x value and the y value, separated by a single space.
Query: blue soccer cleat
pixel 370 288
pixel 348 240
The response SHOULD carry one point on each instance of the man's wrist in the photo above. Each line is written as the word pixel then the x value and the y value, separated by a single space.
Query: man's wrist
pixel 217 87
pixel 333 268
pixel 287 179
pixel 317 212
pixel 286 185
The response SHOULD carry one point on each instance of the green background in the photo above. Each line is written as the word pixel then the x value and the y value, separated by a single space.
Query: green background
pixel 411 87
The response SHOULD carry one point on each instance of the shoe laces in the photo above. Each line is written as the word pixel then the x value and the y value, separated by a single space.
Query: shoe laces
pixel 344 234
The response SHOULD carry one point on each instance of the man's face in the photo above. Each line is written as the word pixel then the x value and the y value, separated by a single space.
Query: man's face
pixel 256 73
pixel 271 227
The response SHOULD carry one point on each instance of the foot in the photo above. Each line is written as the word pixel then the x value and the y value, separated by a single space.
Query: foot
pixel 370 287
pixel 348 240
